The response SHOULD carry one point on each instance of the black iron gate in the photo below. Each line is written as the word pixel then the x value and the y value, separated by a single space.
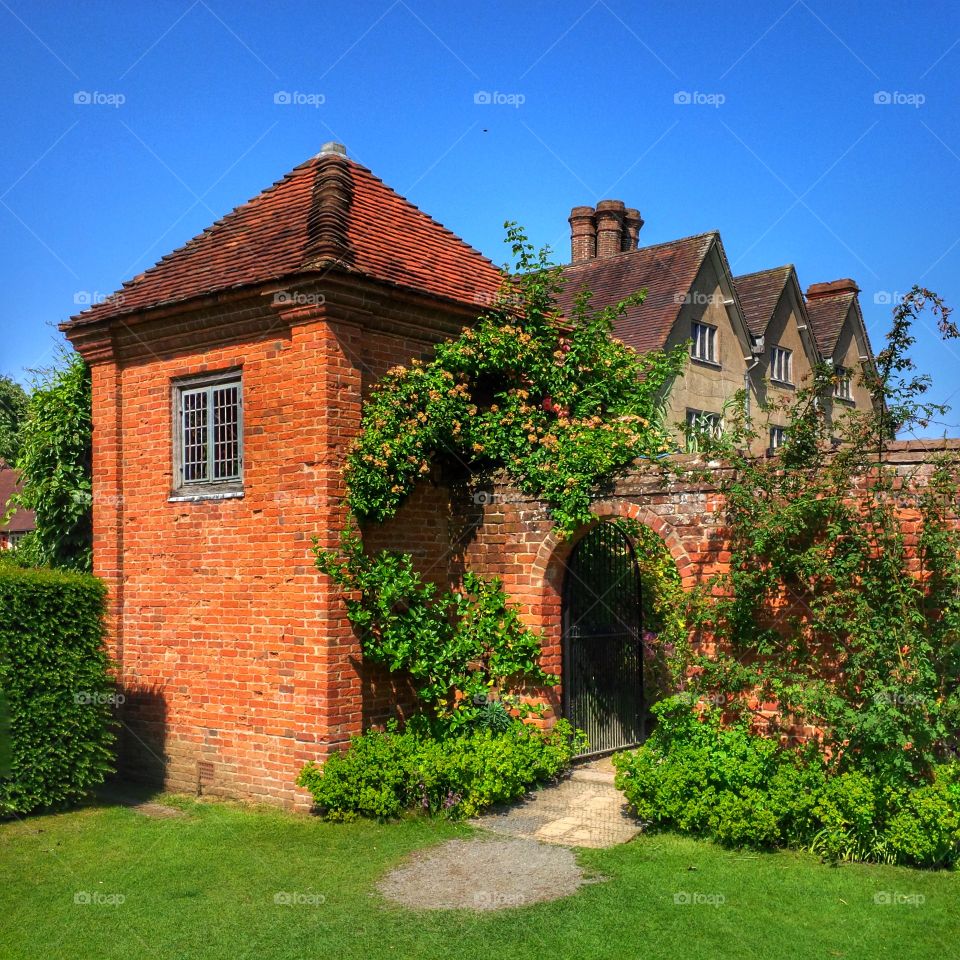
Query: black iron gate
pixel 602 632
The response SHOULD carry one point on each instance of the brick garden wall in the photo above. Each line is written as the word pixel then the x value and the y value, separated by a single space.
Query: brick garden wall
pixel 499 531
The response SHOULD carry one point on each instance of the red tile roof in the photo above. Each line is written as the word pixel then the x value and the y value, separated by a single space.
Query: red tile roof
pixel 760 293
pixel 23 520
pixel 276 234
pixel 827 315
pixel 666 270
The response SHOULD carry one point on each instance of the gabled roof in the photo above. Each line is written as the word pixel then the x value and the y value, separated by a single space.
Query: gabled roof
pixel 328 213
pixel 23 520
pixel 827 315
pixel 667 270
pixel 760 293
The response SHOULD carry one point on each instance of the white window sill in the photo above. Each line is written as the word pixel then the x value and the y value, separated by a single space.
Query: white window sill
pixel 707 363
pixel 212 495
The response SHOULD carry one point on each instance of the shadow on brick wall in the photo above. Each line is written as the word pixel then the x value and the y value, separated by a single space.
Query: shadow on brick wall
pixel 386 696
pixel 142 736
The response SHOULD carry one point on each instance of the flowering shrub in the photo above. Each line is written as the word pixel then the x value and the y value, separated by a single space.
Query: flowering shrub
pixel 827 612
pixel 832 616
pixel 560 405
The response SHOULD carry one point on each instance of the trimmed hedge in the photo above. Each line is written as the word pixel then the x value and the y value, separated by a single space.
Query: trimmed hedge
pixel 54 677
pixel 385 775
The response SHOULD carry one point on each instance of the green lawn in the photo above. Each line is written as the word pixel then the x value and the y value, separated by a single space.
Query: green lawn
pixel 204 887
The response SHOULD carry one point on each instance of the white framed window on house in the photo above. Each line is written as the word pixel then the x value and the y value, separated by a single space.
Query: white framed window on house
pixel 14 538
pixel 843 384
pixel 703 342
pixel 703 423
pixel 778 436
pixel 781 365
pixel 208 435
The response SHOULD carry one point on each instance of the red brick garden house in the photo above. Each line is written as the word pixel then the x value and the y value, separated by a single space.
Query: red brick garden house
pixel 227 385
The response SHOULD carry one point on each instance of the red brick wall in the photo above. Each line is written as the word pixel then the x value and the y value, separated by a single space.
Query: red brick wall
pixel 236 662
pixel 513 538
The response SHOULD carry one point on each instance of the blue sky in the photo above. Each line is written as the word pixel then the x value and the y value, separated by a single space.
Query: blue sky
pixel 783 146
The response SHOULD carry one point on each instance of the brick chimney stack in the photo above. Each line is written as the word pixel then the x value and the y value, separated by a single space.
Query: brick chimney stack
pixel 609 227
pixel 817 290
pixel 632 225
pixel 583 235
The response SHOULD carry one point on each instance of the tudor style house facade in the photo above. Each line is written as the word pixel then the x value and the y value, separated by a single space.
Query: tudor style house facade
pixel 755 333
pixel 227 384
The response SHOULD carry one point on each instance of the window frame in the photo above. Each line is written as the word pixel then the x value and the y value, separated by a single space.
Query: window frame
pixel 712 337
pixel 785 355
pixel 698 419
pixel 14 537
pixel 778 436
pixel 843 388
pixel 208 487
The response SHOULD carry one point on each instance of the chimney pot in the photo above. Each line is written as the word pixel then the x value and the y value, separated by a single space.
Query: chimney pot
pixel 632 225
pixel 583 234
pixel 609 227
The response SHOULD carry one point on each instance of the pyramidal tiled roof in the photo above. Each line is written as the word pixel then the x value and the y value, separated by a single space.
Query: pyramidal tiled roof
pixel 760 293
pixel 666 270
pixel 329 212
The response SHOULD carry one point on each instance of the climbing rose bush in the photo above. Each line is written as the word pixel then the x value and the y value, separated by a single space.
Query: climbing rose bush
pixel 559 404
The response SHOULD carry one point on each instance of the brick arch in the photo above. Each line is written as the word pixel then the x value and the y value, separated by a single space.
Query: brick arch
pixel 554 551
pixel 545 579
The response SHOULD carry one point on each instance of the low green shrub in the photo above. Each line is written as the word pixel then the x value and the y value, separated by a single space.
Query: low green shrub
pixel 54 675
pixel 699 775
pixel 387 774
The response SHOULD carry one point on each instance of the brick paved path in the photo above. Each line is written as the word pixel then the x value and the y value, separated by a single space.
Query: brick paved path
pixel 585 810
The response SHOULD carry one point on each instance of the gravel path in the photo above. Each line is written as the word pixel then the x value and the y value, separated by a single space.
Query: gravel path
pixel 483 873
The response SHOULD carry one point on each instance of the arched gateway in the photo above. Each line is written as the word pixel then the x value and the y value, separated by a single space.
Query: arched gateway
pixel 602 640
